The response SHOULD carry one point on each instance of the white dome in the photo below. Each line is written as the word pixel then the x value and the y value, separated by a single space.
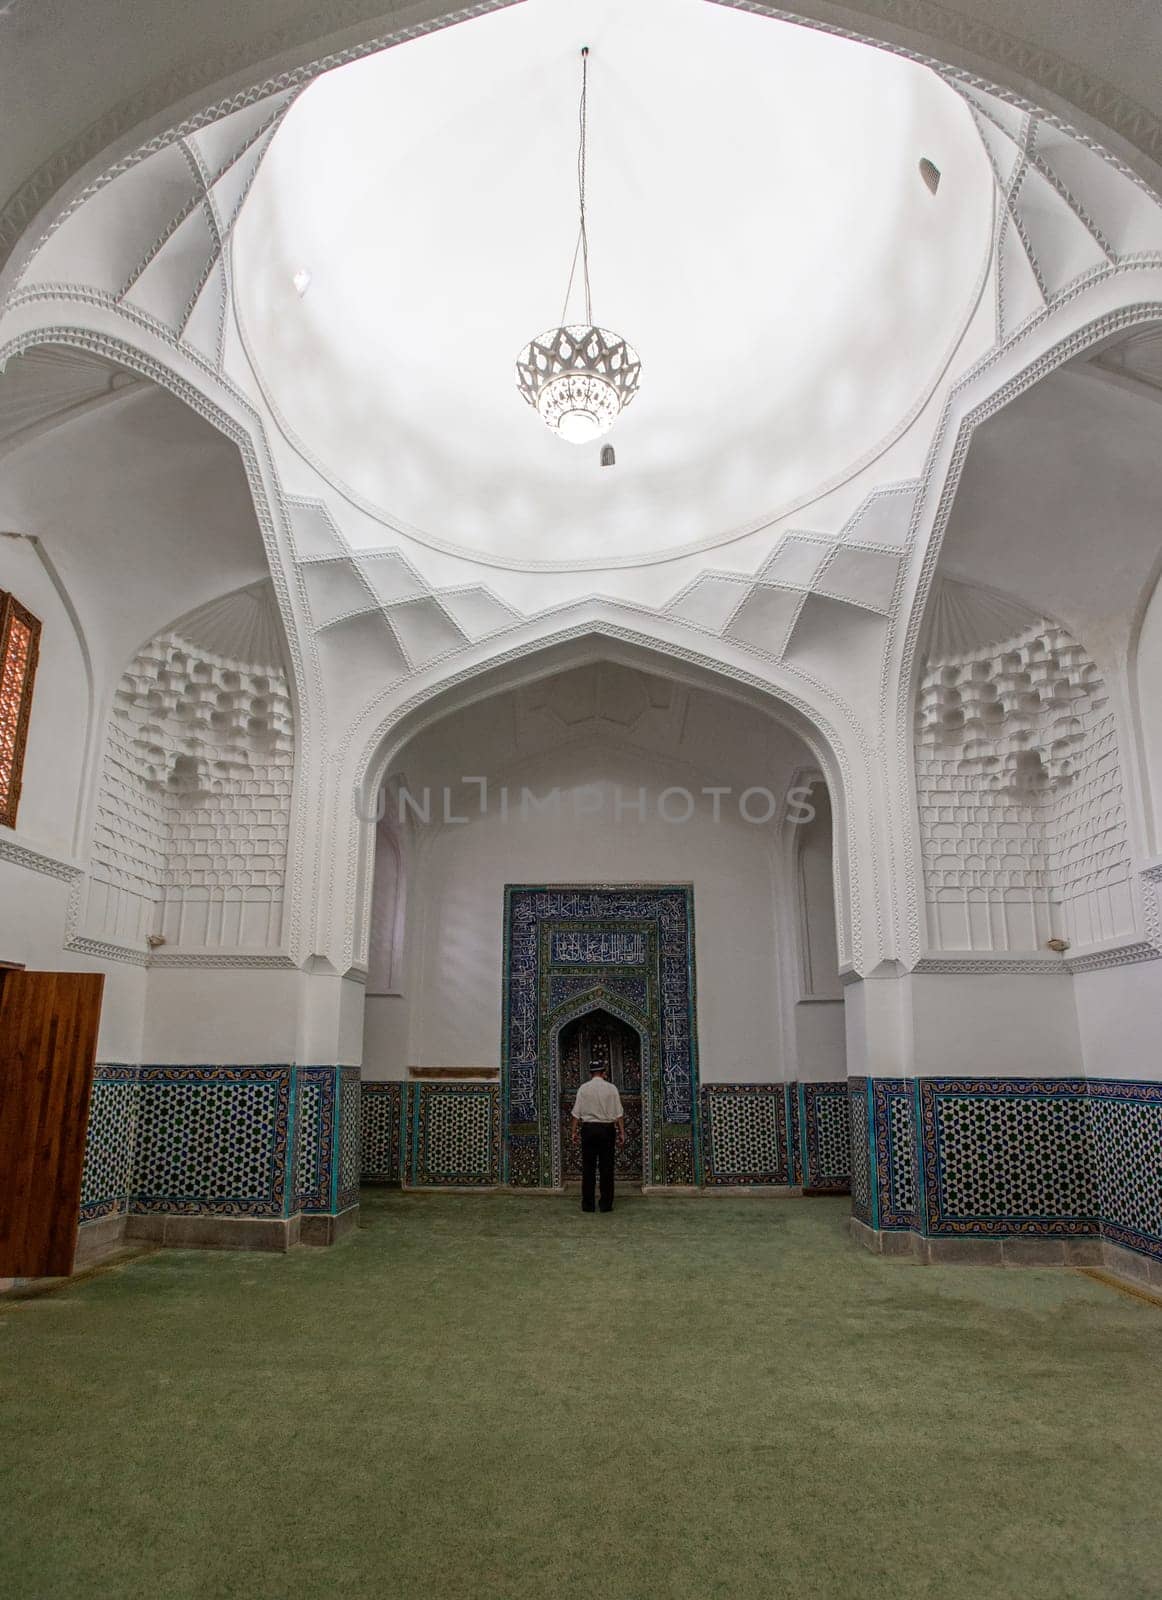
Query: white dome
pixel 759 230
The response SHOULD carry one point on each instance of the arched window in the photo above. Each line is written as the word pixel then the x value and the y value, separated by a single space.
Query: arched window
pixel 19 646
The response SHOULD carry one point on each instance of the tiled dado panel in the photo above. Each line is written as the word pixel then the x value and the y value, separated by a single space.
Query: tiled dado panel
pixel 327 1169
pixel 744 1134
pixel 214 1141
pixel 264 1141
pixel 1007 1156
pixel 777 1133
pixel 1126 1129
pixel 824 1127
pixel 448 1136
pixel 382 1131
pixel 453 1135
pixel 892 1157
pixel 862 1184
pixel 111 1138
pixel 431 1135
pixel 1015 1157
pixel 348 1163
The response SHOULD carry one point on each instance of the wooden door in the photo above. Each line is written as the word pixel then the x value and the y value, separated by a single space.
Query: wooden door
pixel 48 1043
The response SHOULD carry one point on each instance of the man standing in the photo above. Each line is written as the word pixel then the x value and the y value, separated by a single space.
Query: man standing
pixel 597 1118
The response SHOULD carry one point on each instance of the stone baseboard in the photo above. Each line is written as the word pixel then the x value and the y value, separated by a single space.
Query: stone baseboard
pixel 977 1252
pixel 328 1229
pixel 779 1191
pixel 95 1240
pixel 1131 1265
pixel 215 1233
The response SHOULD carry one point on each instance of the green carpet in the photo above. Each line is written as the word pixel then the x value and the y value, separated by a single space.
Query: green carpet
pixel 485 1397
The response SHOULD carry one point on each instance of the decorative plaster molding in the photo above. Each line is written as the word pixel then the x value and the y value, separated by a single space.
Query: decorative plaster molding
pixel 181 83
pixel 986 966
pixel 220 960
pixel 23 855
pixel 102 951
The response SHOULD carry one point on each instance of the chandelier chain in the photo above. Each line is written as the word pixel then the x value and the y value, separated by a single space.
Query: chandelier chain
pixel 582 246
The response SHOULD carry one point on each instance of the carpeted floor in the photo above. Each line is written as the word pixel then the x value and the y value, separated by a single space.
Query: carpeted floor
pixel 485 1397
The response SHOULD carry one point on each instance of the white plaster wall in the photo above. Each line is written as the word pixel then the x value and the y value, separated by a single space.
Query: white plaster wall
pixel 1007 1025
pixel 386 1019
pixel 820 1040
pixel 459 902
pixel 1118 1011
pixel 33 909
pixel 251 1017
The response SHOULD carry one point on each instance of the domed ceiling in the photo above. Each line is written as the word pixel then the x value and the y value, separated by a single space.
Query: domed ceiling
pixel 759 229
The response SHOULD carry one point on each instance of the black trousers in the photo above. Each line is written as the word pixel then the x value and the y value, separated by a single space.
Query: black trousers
pixel 597 1144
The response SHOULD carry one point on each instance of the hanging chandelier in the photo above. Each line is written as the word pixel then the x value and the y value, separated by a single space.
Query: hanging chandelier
pixel 579 377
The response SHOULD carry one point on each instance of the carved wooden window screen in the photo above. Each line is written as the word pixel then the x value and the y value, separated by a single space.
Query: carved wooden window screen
pixel 19 647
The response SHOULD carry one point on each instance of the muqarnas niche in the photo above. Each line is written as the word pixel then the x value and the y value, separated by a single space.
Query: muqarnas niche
pixel 194 808
pixel 1020 795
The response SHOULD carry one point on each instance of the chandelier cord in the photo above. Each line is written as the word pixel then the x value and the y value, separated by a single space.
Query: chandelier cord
pixel 582 246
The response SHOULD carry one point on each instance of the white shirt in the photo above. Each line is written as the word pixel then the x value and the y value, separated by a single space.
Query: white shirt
pixel 597 1101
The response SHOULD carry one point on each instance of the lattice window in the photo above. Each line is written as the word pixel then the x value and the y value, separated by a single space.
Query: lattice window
pixel 19 646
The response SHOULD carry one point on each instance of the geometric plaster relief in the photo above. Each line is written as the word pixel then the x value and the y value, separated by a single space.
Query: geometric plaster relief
pixel 1022 812
pixel 885 517
pixel 477 612
pixel 1064 211
pixel 168 283
pixel 765 618
pixel 607 692
pixel 105 242
pixel 1061 249
pixel 155 235
pixel 313 534
pixel 863 577
pixel 796 561
pixel 710 602
pixel 49 380
pixel 391 577
pixel 193 814
pixel 963 618
pixel 333 591
pixel 755 613
pixel 359 651
pixel 1019 294
pixel 219 143
pixel 204 325
pixel 424 631
pixel 841 645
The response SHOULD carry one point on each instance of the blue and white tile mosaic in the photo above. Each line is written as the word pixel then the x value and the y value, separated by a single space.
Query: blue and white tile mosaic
pixel 892 1153
pixel 453 1135
pixel 315 1138
pixel 862 1191
pixel 825 1136
pixel 110 1141
pixel 1015 1157
pixel 213 1141
pixel 382 1108
pixel 350 1154
pixel 744 1134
